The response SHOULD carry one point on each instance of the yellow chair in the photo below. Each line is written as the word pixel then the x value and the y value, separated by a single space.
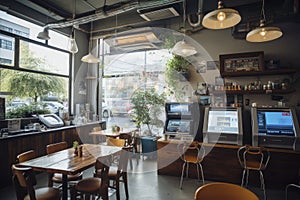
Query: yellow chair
pixel 191 153
pixel 223 191
pixel 253 159
pixel 115 142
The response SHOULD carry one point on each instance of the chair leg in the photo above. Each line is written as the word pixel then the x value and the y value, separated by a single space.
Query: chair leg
pixel 182 173
pixel 262 182
pixel 247 177
pixel 126 185
pixel 202 174
pixel 50 182
pixel 198 174
pixel 243 177
pixel 118 188
pixel 187 170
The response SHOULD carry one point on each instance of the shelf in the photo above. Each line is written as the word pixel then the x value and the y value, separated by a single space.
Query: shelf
pixel 260 73
pixel 226 92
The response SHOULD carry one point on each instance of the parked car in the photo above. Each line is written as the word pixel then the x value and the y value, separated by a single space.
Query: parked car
pixel 106 111
pixel 54 106
pixel 15 104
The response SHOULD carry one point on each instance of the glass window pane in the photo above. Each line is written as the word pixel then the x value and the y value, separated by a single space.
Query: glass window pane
pixel 7 55
pixel 45 91
pixel 43 59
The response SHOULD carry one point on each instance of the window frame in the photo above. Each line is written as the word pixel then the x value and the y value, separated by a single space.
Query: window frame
pixel 17 67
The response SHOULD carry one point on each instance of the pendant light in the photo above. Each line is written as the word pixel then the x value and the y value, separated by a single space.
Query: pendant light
pixel 221 18
pixel 263 33
pixel 182 48
pixel 90 58
pixel 72 45
pixel 44 35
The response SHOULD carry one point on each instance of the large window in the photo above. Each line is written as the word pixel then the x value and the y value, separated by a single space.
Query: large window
pixel 40 77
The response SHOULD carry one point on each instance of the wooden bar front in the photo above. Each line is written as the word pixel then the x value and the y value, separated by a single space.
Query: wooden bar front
pixel 221 164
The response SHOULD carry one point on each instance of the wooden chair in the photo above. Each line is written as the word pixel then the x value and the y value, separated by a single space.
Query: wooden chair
pixel 97 185
pixel 28 155
pixel 253 159
pixel 190 153
pixel 223 191
pixel 115 142
pixel 118 173
pixel 130 141
pixel 24 178
pixel 57 178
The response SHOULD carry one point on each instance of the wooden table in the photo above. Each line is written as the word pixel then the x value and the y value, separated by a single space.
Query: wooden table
pixel 65 162
pixel 109 133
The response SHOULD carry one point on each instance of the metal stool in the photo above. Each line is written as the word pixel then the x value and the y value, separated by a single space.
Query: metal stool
pixel 191 153
pixel 256 159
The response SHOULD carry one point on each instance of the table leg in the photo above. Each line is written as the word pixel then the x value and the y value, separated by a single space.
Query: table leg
pixel 64 187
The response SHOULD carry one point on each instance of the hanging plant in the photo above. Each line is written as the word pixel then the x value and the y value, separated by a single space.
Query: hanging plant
pixel 176 72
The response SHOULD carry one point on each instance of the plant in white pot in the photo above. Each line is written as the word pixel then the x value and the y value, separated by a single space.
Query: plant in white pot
pixel 148 105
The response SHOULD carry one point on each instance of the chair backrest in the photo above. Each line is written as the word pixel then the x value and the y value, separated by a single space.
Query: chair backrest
pixel 55 147
pixel 24 178
pixel 115 142
pixel 255 158
pixel 101 170
pixel 127 137
pixel 28 155
pixel 124 157
pixel 191 151
pixel 224 191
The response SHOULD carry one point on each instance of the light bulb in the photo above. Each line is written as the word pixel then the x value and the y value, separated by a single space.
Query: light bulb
pixel 263 32
pixel 221 16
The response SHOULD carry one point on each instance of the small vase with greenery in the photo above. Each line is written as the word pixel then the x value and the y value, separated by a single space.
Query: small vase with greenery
pixel 75 146
pixel 148 105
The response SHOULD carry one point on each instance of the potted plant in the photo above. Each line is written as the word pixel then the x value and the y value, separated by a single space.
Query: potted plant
pixel 75 146
pixel 147 107
pixel 176 72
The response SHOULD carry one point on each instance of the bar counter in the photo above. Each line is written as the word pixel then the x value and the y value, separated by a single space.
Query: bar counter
pixel 221 164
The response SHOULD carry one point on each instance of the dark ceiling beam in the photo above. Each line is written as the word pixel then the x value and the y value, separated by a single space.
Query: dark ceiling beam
pixel 53 8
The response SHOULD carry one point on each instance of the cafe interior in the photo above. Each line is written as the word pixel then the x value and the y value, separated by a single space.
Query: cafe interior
pixel 152 99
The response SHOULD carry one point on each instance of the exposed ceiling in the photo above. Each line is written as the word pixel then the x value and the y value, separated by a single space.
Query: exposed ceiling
pixel 63 13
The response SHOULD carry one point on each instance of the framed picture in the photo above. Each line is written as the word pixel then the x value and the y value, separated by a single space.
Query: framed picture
pixel 241 63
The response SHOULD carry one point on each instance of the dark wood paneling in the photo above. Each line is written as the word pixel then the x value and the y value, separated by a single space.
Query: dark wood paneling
pixel 11 146
pixel 221 164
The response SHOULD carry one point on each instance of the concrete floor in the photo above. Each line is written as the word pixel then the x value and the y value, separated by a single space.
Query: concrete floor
pixel 144 184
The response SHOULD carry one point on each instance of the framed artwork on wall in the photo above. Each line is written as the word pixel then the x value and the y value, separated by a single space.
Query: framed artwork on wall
pixel 241 63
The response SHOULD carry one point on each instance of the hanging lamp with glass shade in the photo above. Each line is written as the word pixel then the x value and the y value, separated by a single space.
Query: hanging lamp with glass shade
pixel 72 45
pixel 182 48
pixel 263 33
pixel 221 18
pixel 90 58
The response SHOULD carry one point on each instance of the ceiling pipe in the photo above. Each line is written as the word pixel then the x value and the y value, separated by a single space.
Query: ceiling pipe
pixel 107 11
pixel 198 15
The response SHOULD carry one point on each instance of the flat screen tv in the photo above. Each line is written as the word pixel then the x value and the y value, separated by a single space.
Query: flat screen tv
pixel 181 126
pixel 178 108
pixel 274 127
pixel 223 125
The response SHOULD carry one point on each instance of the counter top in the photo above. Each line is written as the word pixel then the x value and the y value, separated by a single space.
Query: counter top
pixel 49 130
